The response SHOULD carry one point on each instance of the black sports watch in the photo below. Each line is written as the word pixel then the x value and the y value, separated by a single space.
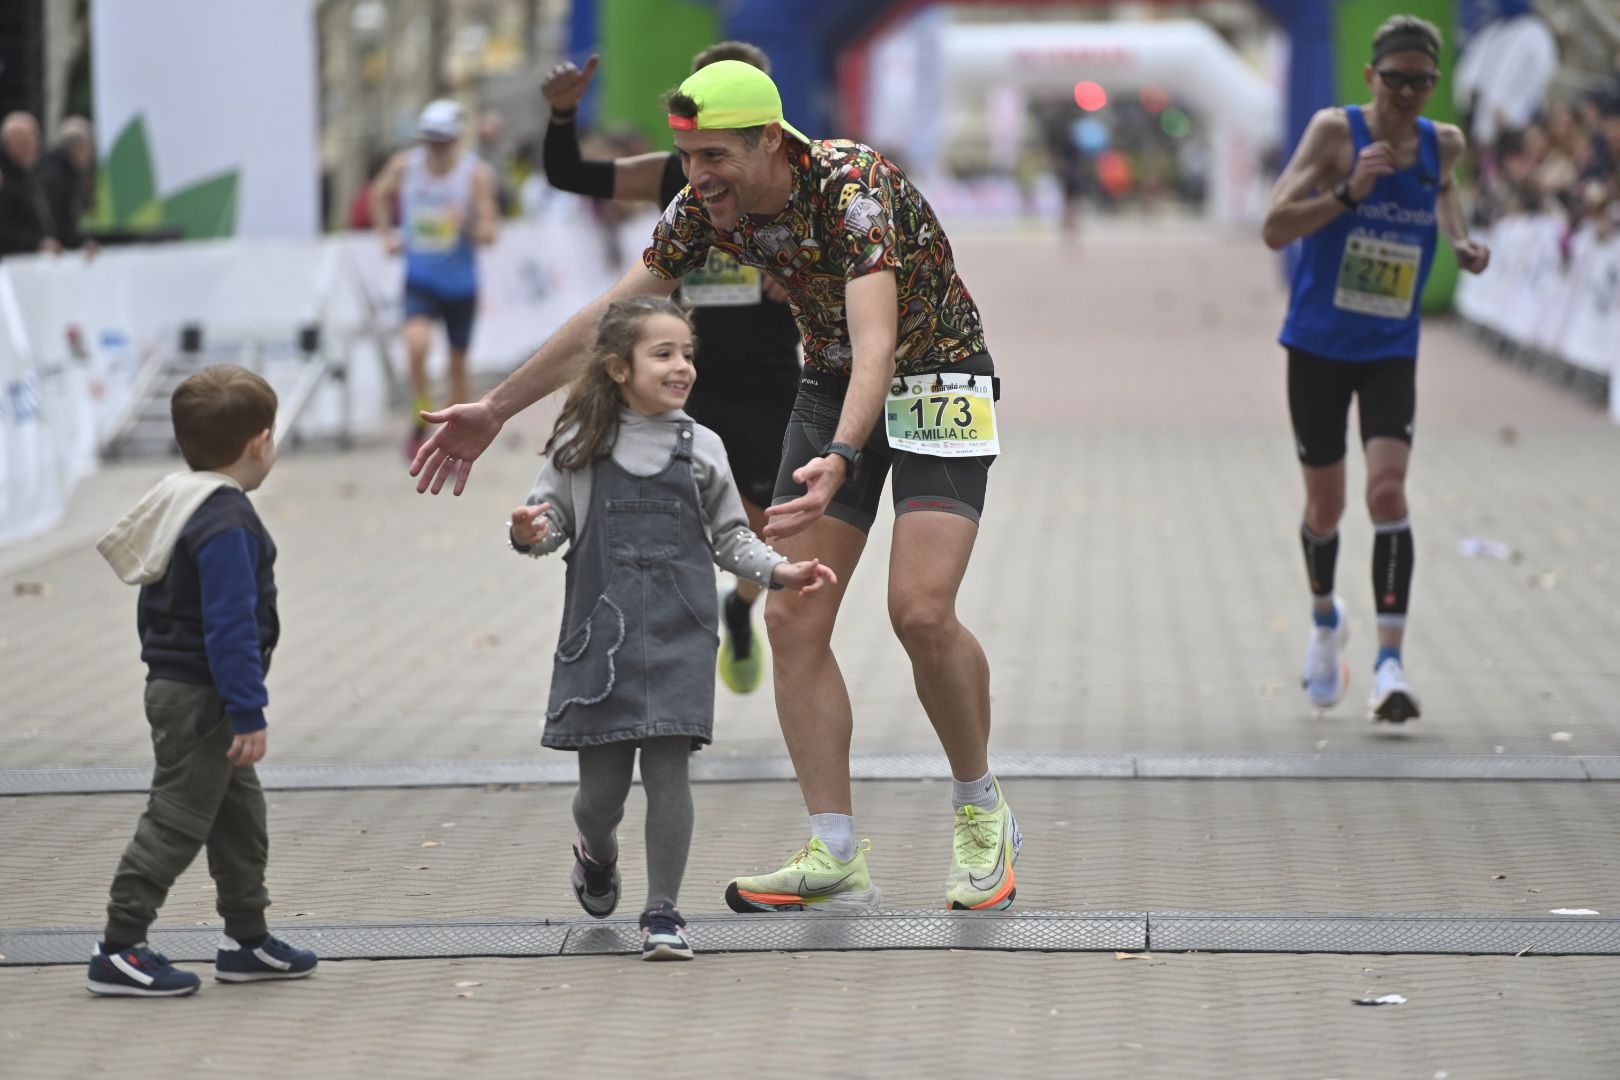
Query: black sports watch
pixel 1341 191
pixel 850 454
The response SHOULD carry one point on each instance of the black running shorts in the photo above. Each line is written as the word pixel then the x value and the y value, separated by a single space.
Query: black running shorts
pixel 921 481
pixel 1319 393
pixel 750 420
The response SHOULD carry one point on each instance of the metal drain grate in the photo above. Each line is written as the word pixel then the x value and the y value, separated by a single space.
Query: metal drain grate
pixel 1021 764
pixel 1036 931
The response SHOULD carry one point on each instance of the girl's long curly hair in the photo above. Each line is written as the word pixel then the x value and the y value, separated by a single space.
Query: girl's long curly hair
pixel 589 424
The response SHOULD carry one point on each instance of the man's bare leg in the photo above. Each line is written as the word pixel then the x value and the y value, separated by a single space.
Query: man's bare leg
pixel 812 702
pixel 927 562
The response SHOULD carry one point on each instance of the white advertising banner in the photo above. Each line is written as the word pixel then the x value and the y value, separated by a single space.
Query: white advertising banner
pixel 76 335
pixel 206 116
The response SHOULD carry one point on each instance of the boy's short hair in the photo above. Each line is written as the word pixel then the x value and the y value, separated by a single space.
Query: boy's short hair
pixel 218 411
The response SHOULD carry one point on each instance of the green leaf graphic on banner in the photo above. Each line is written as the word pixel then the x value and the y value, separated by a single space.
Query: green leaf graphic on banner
pixel 204 210
pixel 129 171
pixel 127 196
pixel 149 216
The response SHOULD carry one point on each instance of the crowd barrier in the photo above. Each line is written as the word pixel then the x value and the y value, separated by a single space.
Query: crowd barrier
pixel 79 337
pixel 1549 302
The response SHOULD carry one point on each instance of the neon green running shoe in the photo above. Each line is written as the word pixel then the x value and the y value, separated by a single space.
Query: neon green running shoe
pixel 987 844
pixel 742 675
pixel 812 879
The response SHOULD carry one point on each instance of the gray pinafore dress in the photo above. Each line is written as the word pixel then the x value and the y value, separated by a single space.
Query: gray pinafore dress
pixel 635 659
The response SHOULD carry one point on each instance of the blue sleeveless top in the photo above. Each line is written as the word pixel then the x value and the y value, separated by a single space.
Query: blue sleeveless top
pixel 436 211
pixel 1360 277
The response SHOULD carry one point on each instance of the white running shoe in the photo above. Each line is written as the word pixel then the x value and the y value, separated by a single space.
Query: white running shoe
pixel 1327 676
pixel 1392 700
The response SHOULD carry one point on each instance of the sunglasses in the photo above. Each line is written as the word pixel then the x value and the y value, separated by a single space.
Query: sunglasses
pixel 1406 80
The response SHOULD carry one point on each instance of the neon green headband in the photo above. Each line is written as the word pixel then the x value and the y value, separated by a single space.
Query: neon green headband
pixel 730 95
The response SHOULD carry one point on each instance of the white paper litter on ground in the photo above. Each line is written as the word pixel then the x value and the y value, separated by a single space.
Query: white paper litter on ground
pixel 1574 911
pixel 1387 999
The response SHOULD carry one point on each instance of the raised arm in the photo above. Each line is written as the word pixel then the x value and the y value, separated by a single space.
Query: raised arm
pixel 1472 255
pixel 872 305
pixel 630 178
pixel 468 429
pixel 384 191
pixel 1302 200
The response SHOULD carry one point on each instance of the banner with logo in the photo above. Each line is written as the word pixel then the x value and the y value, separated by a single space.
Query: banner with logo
pixel 206 117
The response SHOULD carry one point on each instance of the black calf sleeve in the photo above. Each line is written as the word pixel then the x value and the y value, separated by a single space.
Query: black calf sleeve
pixel 1392 566
pixel 1321 558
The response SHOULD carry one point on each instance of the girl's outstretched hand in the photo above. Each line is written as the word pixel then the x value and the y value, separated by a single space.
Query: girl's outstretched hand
pixel 530 525
pixel 807 577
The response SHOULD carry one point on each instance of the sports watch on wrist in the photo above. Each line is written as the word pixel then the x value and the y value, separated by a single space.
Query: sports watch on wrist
pixel 1341 191
pixel 850 454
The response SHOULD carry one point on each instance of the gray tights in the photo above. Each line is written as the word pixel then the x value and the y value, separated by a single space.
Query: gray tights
pixel 604 783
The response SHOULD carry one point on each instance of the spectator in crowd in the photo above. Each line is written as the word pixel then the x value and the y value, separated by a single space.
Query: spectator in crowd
pixel 1565 161
pixel 360 206
pixel 492 148
pixel 67 180
pixel 25 225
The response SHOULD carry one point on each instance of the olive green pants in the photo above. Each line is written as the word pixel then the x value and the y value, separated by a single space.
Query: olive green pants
pixel 199 800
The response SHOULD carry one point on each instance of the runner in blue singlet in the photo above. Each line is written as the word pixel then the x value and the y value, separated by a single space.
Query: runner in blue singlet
pixel 1367 192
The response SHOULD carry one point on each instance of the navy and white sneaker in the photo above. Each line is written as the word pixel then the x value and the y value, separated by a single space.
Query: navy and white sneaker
pixel 138 972
pixel 596 884
pixel 663 935
pixel 271 959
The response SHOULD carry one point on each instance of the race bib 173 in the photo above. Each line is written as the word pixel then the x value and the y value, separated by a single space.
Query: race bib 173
pixel 949 414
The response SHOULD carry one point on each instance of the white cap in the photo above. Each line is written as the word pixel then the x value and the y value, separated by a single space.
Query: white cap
pixel 441 121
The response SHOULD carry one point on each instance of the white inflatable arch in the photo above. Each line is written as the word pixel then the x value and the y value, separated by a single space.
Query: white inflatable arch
pixel 965 66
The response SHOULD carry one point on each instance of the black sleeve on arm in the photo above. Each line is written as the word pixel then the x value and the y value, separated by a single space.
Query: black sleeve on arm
pixel 566 171
pixel 673 181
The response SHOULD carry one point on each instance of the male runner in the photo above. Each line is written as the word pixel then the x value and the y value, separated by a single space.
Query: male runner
pixel 749 356
pixel 897 378
pixel 447 204
pixel 1365 190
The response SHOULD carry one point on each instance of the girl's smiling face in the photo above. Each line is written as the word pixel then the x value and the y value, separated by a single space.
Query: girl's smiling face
pixel 660 374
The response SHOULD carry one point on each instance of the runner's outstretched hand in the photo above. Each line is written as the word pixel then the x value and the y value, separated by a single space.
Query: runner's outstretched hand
pixel 823 476
pixel 451 450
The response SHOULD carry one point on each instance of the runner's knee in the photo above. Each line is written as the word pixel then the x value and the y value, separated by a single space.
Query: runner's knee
pixel 1322 513
pixel 794 625
pixel 923 623
pixel 1386 497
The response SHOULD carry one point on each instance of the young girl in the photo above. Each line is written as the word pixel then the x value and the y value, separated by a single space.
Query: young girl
pixel 646 497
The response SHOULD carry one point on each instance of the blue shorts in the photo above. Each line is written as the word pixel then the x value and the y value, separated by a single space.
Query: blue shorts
pixel 456 311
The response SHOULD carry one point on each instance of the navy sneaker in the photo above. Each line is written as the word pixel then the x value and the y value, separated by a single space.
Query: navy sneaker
pixel 663 935
pixel 273 959
pixel 138 972
pixel 596 884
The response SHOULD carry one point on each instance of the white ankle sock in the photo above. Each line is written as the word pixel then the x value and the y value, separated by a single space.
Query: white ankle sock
pixel 837 831
pixel 980 792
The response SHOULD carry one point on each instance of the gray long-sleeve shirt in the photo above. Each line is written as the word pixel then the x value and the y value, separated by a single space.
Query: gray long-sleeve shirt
pixel 644 446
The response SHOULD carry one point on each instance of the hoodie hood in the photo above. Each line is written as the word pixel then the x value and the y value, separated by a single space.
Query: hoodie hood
pixel 139 546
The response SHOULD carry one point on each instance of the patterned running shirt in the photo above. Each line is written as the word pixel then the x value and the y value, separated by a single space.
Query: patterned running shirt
pixel 852 212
